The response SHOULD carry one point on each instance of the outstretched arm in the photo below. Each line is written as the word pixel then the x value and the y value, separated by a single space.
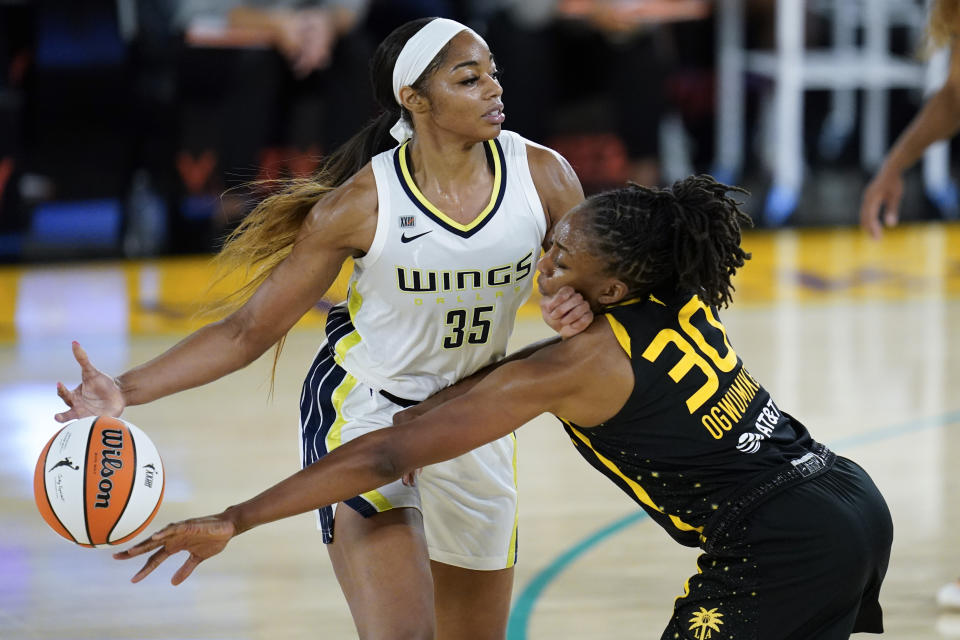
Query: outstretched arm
pixel 340 225
pixel 938 119
pixel 586 379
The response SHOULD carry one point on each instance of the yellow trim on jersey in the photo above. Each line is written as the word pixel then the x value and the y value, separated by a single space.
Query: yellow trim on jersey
pixel 629 301
pixel 618 330
pixel 511 550
pixel 494 194
pixel 335 437
pixel 344 344
pixel 624 303
pixel 686 583
pixel 352 339
pixel 354 302
pixel 378 500
pixel 638 491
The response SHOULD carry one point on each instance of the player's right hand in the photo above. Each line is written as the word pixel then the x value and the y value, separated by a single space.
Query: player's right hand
pixel 883 193
pixel 201 537
pixel 97 395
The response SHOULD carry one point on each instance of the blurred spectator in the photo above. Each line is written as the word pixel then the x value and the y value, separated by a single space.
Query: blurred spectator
pixel 266 88
pixel 561 56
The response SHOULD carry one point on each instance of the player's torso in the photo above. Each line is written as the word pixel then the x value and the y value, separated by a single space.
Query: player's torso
pixel 697 423
pixel 434 300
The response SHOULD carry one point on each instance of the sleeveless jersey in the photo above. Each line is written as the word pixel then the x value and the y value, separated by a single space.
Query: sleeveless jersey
pixel 697 428
pixel 434 300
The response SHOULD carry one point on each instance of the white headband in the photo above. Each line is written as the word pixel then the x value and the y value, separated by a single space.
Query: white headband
pixel 414 58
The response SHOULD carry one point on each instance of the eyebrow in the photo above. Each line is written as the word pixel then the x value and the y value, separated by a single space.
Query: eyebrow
pixel 469 63
pixel 562 248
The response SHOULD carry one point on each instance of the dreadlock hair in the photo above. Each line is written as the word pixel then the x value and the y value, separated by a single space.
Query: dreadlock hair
pixel 686 237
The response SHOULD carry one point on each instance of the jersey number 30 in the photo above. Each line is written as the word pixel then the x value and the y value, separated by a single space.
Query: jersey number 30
pixel 690 357
pixel 476 331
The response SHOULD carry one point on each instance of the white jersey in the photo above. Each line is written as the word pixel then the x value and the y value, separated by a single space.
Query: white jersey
pixel 434 300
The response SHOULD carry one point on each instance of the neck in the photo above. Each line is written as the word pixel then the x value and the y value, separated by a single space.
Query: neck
pixel 443 163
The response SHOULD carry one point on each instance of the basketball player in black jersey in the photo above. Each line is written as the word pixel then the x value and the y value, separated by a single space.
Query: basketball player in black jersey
pixel 796 539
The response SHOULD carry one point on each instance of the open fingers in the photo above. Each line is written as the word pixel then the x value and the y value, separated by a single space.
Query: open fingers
pixel 186 569
pixel 139 549
pixel 69 399
pixel 152 563
pixel 81 356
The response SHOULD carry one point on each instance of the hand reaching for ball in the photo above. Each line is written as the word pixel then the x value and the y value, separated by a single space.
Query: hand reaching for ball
pixel 201 537
pixel 97 395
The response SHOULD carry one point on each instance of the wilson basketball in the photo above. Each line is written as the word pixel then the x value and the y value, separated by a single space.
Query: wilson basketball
pixel 99 481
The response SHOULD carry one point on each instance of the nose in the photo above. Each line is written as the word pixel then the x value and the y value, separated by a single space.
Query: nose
pixel 495 89
pixel 545 264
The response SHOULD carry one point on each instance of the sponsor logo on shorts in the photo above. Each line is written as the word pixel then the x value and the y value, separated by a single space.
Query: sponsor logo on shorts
pixel 705 622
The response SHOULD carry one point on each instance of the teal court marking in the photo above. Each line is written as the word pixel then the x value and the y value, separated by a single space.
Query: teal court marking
pixel 523 607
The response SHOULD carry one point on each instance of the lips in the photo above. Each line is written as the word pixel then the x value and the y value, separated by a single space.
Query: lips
pixel 495 115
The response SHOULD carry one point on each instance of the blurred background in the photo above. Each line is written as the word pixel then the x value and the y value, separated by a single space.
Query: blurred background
pixel 132 128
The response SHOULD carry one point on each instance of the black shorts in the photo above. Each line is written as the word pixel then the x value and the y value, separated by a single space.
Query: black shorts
pixel 806 564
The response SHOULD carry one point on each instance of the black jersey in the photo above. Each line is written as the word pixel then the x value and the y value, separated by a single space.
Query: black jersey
pixel 698 429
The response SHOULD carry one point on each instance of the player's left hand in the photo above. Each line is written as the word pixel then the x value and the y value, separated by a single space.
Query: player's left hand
pixel 201 537
pixel 566 312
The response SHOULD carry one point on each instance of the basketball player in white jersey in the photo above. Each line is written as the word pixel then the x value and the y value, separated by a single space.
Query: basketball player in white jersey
pixel 445 232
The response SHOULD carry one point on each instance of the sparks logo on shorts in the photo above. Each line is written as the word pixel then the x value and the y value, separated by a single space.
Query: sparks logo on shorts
pixel 406 222
pixel 705 622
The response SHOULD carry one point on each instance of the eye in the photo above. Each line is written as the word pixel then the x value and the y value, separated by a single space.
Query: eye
pixel 469 81
pixel 496 75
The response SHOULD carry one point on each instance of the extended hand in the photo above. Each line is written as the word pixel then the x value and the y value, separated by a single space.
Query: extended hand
pixel 201 537
pixel 884 191
pixel 97 395
pixel 566 312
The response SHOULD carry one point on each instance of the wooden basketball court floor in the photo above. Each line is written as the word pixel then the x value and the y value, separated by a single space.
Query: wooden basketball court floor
pixel 858 339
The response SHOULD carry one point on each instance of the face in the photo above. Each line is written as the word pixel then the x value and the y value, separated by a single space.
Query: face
pixel 569 262
pixel 463 95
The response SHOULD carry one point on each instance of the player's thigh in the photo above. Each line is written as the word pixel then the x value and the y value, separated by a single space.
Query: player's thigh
pixel 471 604
pixel 383 568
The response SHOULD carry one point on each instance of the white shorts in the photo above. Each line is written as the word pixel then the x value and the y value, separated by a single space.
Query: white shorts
pixel 469 504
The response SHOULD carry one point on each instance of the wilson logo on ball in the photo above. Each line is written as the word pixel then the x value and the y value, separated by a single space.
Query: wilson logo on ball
pixel 111 461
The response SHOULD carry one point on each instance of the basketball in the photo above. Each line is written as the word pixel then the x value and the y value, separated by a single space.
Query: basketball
pixel 99 481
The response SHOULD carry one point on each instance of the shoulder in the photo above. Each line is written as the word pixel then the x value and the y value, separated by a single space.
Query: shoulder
pixel 554 179
pixel 346 215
